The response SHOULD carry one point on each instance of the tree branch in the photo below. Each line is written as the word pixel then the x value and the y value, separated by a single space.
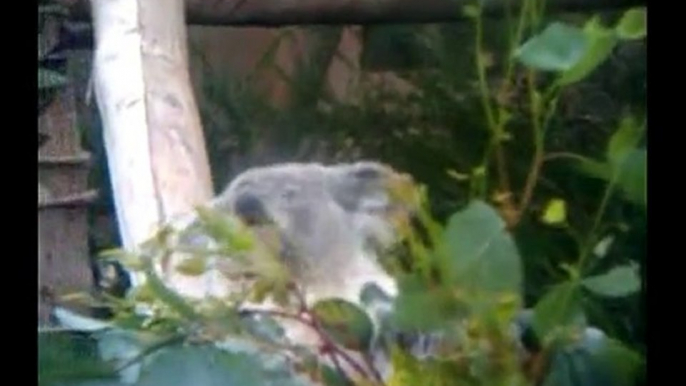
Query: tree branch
pixel 274 13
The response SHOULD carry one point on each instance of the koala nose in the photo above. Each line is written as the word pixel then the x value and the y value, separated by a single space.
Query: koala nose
pixel 250 209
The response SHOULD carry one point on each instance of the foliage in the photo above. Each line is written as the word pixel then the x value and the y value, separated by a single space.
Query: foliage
pixel 538 203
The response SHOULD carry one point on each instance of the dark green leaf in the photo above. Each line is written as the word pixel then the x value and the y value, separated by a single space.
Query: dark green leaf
pixel 346 323
pixel 593 168
pixel 601 42
pixel 619 281
pixel 561 307
pixel 424 307
pixel 560 371
pixel 70 357
pixel 622 363
pixel 208 366
pixel 623 141
pixel 633 24
pixel 558 48
pixel 120 347
pixel 575 368
pixel 480 254
pixel 595 360
pixel 632 179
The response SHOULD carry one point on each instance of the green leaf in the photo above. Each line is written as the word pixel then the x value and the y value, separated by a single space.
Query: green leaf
pixel 225 229
pixel 624 140
pixel 345 323
pixel 555 212
pixel 561 307
pixel 68 358
pixel 203 366
pixel 593 168
pixel 558 48
pixel 169 297
pixel 193 266
pixel 600 43
pixel 480 255
pixel 632 179
pixel 619 281
pixel 120 347
pixel 472 11
pixel 50 79
pixel 425 307
pixel 632 25
pixel 622 363
pixel 595 360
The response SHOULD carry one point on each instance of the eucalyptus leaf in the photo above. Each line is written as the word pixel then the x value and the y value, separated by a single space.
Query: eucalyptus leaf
pixel 68 357
pixel 595 360
pixel 193 266
pixel 480 254
pixel 633 179
pixel 624 140
pixel 619 281
pixel 558 48
pixel 347 324
pixel 600 43
pixel 201 366
pixel 560 307
pixel 120 347
pixel 425 307
pixel 633 24
pixel 593 168
pixel 555 212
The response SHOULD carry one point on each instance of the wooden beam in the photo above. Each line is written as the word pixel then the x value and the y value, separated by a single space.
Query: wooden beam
pixel 71 201
pixel 276 13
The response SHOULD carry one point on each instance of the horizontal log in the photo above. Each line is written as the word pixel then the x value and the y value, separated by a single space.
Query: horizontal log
pixel 73 201
pixel 80 159
pixel 275 13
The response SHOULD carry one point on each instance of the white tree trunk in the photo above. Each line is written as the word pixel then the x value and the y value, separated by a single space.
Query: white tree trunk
pixel 153 135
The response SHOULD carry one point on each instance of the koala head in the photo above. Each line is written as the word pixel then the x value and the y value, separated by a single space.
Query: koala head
pixel 332 221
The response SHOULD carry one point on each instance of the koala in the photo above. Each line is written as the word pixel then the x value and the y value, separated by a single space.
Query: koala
pixel 332 221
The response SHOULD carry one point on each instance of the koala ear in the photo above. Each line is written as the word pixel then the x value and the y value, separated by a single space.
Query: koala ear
pixel 360 186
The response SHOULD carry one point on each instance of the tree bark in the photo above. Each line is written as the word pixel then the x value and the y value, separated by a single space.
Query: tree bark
pixel 152 131
pixel 273 13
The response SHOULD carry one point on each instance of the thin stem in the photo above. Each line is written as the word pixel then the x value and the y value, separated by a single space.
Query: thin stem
pixel 586 252
pixel 539 130
pixel 481 73
pixel 562 155
pixel 330 347
pixel 537 161
pixel 370 364
pixel 494 126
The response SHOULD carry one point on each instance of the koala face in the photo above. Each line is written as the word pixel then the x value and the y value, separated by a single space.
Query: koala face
pixel 333 216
